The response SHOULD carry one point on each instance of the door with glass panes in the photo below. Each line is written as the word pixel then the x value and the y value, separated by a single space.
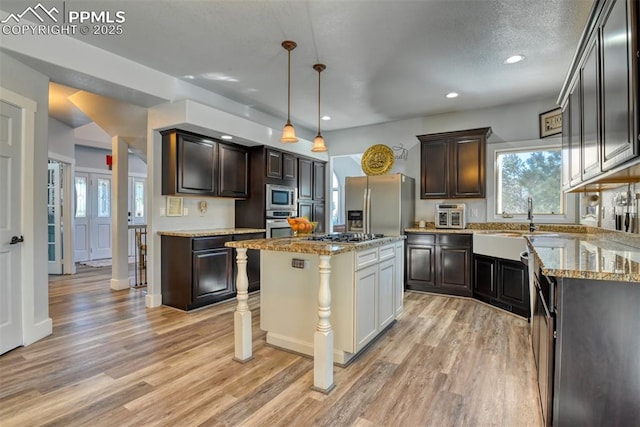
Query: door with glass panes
pixel 92 216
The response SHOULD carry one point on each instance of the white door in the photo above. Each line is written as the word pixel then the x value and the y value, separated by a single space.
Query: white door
pixel 100 222
pixel 54 231
pixel 10 227
pixel 81 231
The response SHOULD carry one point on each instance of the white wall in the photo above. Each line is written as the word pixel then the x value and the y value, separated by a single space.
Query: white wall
pixel 26 82
pixel 509 123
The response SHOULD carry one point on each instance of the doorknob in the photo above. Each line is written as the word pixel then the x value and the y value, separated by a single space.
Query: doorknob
pixel 16 240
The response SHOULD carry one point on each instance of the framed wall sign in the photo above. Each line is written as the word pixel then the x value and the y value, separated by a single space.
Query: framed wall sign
pixel 551 122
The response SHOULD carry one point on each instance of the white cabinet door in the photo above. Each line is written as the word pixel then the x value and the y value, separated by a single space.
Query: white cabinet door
pixel 386 289
pixel 399 281
pixel 366 316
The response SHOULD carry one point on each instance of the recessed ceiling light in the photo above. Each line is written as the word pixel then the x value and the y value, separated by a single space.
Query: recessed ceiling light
pixel 227 137
pixel 326 118
pixel 514 59
pixel 451 95
pixel 189 76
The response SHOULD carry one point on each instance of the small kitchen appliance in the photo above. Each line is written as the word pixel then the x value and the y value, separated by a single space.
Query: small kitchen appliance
pixel 450 215
pixel 281 198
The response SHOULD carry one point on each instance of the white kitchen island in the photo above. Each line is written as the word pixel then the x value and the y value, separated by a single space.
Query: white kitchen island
pixel 326 300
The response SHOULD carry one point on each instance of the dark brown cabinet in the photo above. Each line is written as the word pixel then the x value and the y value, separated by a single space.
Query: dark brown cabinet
pixel 600 99
pixel 196 271
pixel 575 131
pixel 305 179
pixel 452 164
pixel 617 80
pixel 272 166
pixel 502 283
pixel 318 180
pixel 597 373
pixel 280 165
pixel 233 171
pixel 196 165
pixel 311 191
pixel 439 263
pixel 590 149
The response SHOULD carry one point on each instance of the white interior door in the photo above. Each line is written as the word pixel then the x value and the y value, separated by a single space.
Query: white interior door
pixel 81 229
pixel 137 208
pixel 10 227
pixel 54 210
pixel 100 216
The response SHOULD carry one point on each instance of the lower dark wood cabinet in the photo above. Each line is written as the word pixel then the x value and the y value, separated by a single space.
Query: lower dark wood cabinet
pixel 502 283
pixel 439 262
pixel 198 271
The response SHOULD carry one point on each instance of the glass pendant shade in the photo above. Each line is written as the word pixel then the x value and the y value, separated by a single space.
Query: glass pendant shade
pixel 288 133
pixel 318 144
pixel 318 141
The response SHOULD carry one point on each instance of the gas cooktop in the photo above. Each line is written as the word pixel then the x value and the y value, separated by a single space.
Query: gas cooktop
pixel 344 237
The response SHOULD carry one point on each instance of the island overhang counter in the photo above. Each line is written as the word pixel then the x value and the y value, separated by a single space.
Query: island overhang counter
pixel 310 288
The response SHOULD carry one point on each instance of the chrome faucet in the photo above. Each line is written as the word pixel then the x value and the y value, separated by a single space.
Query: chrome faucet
pixel 532 227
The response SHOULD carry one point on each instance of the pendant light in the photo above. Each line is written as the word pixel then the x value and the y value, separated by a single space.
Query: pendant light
pixel 318 141
pixel 288 132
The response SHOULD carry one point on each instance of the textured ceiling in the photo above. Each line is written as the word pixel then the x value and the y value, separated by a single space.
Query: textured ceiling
pixel 386 59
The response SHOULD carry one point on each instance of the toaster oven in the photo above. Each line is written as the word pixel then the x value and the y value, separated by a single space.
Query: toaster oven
pixel 450 215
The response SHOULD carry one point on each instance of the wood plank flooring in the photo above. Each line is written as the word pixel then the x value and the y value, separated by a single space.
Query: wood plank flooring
pixel 112 362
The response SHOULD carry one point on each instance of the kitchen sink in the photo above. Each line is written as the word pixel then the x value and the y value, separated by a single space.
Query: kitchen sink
pixel 503 244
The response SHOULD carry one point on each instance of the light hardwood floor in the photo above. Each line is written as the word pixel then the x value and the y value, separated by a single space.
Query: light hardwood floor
pixel 113 362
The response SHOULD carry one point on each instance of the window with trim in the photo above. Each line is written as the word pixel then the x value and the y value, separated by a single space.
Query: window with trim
pixel 524 173
pixel 335 200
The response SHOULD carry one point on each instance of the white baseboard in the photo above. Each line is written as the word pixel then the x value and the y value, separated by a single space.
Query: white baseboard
pixel 37 331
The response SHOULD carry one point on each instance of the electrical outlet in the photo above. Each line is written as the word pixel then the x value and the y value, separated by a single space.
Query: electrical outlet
pixel 185 211
pixel 163 211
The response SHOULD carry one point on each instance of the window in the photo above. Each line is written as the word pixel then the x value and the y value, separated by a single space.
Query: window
pixel 335 200
pixel 81 197
pixel 525 173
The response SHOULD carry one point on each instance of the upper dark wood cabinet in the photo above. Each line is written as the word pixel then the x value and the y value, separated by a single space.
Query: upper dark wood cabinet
pixel 318 180
pixel 590 114
pixel 305 178
pixel 601 95
pixel 311 191
pixel 233 171
pixel 575 132
pixel 274 164
pixel 188 163
pixel 566 147
pixel 453 164
pixel 197 165
pixel 289 167
pixel 281 165
pixel 618 142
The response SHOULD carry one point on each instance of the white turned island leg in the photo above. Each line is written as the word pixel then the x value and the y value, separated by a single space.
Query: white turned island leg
pixel 323 338
pixel 242 315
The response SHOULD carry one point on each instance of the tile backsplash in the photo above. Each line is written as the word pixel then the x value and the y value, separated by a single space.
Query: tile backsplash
pixel 609 209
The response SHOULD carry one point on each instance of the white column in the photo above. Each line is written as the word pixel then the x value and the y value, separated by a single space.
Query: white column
pixel 323 338
pixel 119 218
pixel 242 315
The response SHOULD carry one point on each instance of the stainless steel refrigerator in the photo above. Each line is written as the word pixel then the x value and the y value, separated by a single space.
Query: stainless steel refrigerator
pixel 381 204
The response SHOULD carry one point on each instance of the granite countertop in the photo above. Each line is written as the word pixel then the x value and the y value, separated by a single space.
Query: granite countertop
pixel 601 256
pixel 210 232
pixel 483 227
pixel 575 251
pixel 301 245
